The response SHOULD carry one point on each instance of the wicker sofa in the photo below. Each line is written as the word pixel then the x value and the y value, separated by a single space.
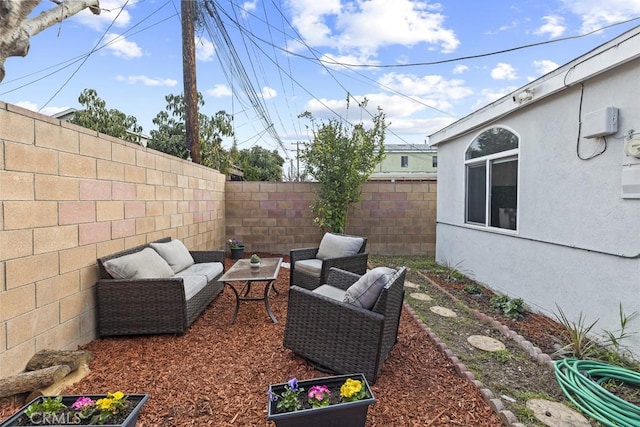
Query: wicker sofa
pixel 339 336
pixel 136 293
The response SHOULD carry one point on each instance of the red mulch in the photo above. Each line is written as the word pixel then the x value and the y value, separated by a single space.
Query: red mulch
pixel 218 374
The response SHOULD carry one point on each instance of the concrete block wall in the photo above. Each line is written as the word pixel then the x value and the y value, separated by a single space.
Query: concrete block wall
pixel 397 217
pixel 69 195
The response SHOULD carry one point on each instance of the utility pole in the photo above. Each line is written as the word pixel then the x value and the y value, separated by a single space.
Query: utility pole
pixel 192 132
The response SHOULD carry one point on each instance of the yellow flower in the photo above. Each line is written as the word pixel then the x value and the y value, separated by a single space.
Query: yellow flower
pixel 350 388
pixel 104 403
pixel 118 395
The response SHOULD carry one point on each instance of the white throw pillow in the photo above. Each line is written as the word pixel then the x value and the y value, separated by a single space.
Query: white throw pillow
pixel 335 246
pixel 365 291
pixel 146 264
pixel 175 253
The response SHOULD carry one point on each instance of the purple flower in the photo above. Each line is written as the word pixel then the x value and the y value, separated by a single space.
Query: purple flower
pixel 293 384
pixel 273 397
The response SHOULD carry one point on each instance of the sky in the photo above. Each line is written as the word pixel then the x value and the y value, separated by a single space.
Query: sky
pixel 425 64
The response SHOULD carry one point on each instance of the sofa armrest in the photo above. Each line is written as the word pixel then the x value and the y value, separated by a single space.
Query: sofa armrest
pixel 354 263
pixel 341 279
pixel 141 306
pixel 208 256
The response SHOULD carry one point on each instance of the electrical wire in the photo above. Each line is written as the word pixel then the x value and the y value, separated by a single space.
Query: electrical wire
pixel 581 381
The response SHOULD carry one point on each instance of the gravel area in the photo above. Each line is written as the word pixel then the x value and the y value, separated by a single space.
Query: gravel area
pixel 218 374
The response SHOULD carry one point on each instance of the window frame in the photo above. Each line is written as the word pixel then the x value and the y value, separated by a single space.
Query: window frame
pixel 404 161
pixel 487 162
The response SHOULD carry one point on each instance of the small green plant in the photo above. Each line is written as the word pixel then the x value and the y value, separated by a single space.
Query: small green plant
pixel 255 259
pixel 502 355
pixel 512 308
pixel 49 405
pixel 473 289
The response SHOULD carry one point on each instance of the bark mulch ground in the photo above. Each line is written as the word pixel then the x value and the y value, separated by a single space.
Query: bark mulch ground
pixel 218 374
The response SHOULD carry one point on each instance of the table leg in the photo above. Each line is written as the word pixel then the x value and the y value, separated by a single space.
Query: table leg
pixel 235 313
pixel 266 301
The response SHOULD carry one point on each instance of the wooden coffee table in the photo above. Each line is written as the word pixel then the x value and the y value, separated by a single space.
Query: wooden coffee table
pixel 241 271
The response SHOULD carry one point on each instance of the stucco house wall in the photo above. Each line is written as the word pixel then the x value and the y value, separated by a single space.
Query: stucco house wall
pixel 577 242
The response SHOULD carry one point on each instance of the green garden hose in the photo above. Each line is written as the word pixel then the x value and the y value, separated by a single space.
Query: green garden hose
pixel 581 380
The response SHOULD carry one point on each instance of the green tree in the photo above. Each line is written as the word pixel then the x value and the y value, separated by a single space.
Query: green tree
pixel 341 157
pixel 260 164
pixel 170 135
pixel 111 122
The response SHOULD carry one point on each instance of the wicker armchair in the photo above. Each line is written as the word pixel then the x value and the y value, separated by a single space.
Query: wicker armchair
pixel 316 270
pixel 340 337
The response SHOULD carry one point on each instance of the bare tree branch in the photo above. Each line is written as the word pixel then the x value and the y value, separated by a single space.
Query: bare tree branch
pixel 16 29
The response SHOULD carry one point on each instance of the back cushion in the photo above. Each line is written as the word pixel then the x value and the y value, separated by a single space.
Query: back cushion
pixel 175 253
pixel 336 246
pixel 146 264
pixel 365 291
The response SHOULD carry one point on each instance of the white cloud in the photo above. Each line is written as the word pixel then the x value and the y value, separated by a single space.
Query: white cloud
pixel 544 66
pixel 364 27
pixel 219 91
pixel 554 26
pixel 597 13
pixel 121 47
pixel 430 86
pixel 504 71
pixel 269 93
pixel 334 61
pixel 487 96
pixel 109 10
pixel 205 50
pixel 28 105
pixel 459 69
pixel 147 81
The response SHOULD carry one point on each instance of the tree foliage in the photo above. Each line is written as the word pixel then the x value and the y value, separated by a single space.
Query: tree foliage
pixel 341 157
pixel 111 122
pixel 260 164
pixel 170 135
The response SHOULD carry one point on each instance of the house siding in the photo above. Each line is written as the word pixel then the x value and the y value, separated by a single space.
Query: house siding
pixel 577 245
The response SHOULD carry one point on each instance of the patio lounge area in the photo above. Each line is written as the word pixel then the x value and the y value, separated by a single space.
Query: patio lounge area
pixel 218 373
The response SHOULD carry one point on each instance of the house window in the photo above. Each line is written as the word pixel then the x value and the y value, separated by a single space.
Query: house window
pixel 491 163
pixel 404 161
pixel 434 162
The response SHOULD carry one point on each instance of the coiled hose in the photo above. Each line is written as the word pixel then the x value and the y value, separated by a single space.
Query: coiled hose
pixel 581 380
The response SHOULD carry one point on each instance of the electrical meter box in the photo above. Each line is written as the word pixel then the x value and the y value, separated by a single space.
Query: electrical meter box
pixel 599 123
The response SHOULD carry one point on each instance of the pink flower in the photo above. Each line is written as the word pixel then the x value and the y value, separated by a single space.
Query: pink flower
pixel 81 402
pixel 318 392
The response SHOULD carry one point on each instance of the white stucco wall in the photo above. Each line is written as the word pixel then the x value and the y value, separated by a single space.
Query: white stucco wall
pixel 578 241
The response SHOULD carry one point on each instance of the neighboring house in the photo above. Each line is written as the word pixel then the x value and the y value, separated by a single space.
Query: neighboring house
pixel 407 161
pixel 539 192
pixel 68 114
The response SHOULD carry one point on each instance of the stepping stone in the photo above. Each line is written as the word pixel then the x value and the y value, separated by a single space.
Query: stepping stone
pixel 420 296
pixel 485 343
pixel 555 414
pixel 408 284
pixel 285 265
pixel 443 311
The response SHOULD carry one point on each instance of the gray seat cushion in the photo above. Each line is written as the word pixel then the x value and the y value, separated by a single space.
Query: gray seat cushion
pixel 175 253
pixel 311 267
pixel 336 246
pixel 210 270
pixel 365 291
pixel 193 284
pixel 330 291
pixel 145 264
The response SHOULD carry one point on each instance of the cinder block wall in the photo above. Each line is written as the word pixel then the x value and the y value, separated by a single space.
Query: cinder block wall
pixel 397 217
pixel 68 196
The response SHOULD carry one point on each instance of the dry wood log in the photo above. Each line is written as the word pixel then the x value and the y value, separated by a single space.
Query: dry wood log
pixel 47 358
pixel 33 380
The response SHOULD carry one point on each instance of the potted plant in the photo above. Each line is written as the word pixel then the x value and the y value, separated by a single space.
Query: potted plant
pixel 236 247
pixel 111 409
pixel 337 401
pixel 254 261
